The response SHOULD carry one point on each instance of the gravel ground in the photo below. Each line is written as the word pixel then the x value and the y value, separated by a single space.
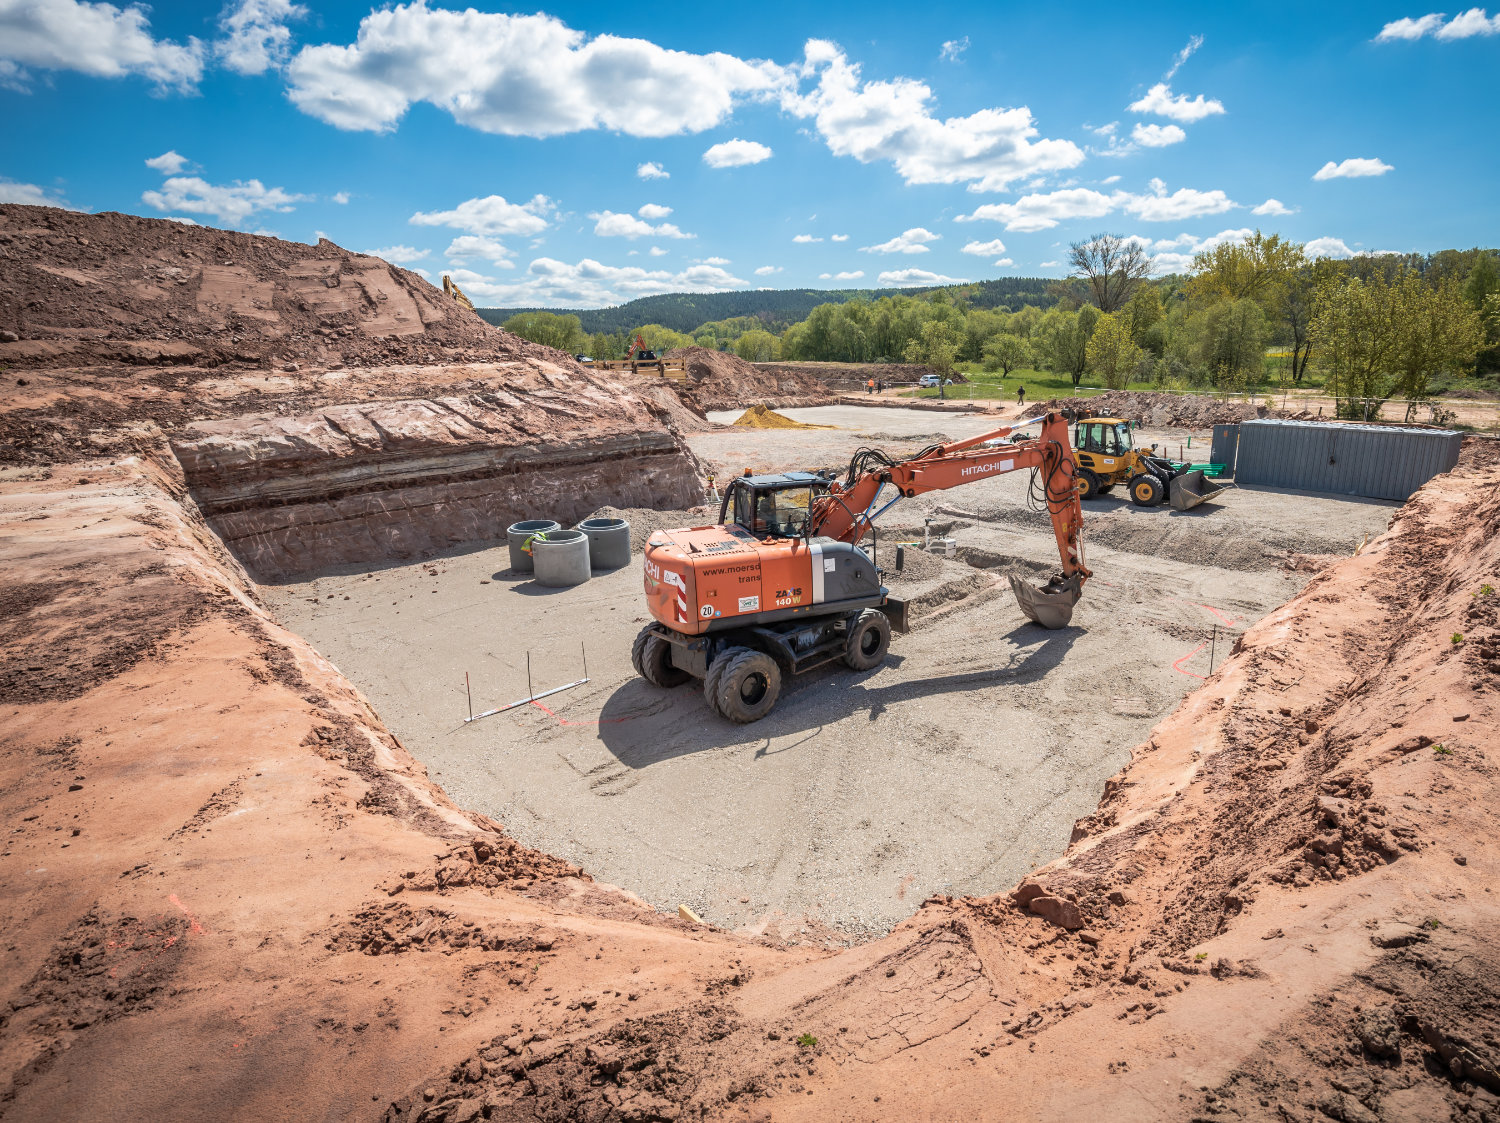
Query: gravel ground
pixel 953 768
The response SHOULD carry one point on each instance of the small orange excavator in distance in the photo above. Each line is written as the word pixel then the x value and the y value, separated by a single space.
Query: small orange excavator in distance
pixel 785 587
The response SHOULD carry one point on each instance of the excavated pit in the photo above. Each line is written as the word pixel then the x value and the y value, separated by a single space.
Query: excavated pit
pixel 955 768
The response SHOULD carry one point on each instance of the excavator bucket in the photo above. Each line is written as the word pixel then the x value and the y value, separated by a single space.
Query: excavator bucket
pixel 1190 489
pixel 1051 605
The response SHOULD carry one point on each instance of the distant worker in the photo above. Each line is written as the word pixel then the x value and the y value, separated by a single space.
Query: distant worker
pixel 880 386
pixel 1021 394
pixel 871 385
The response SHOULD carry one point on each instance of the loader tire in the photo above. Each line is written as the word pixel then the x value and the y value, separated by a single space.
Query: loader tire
pixel 1146 491
pixel 1089 486
pixel 748 685
pixel 868 640
pixel 716 672
pixel 1105 489
pixel 652 658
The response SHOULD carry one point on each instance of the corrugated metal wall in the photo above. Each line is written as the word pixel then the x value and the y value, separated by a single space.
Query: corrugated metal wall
pixel 1381 462
pixel 1225 448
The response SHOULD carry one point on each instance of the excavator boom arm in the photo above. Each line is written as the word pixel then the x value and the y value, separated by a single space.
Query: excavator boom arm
pixel 849 510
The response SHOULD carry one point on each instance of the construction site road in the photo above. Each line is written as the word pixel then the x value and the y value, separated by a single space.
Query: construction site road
pixel 955 767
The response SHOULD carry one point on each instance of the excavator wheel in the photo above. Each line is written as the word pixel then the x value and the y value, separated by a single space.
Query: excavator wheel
pixel 868 640
pixel 1146 491
pixel 716 672
pixel 748 686
pixel 651 656
pixel 1089 486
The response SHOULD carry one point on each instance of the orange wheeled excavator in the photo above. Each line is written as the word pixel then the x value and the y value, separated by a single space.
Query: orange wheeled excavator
pixel 780 584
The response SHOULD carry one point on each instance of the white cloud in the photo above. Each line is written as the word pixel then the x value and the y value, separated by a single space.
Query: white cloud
pixel 1160 101
pixel 1185 202
pixel 713 261
pixel 1175 255
pixel 892 120
pixel 608 224
pixel 1164 263
pixel 652 170
pixel 1408 28
pixel 1107 180
pixel 168 163
pixel 256 36
pixel 1042 212
pixel 654 211
pixel 908 241
pixel 339 197
pixel 1465 25
pixel 98 39
pixel 1005 261
pixel 1352 168
pixel 802 239
pixel 851 275
pixel 767 270
pixel 1273 206
pixel 401 255
pixel 550 283
pixel 736 154
pixel 231 203
pixel 839 238
pixel 1051 265
pixel 984 249
pixel 491 215
pixel 31 194
pixel 912 277
pixel 1328 247
pixel 1468 24
pixel 1031 213
pixel 657 251
pixel 518 75
pixel 467 246
pixel 1157 136
pixel 1182 56
pixel 825 276
pixel 954 49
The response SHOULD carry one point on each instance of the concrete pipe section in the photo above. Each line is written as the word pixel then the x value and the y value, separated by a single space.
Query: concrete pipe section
pixel 561 558
pixel 609 542
pixel 519 534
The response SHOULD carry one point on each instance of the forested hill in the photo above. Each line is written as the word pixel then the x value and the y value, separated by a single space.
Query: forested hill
pixel 776 308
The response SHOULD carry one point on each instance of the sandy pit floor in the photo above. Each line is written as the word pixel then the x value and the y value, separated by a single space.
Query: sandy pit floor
pixel 955 767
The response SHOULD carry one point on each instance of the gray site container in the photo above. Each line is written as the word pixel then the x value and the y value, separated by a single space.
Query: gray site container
pixel 1378 461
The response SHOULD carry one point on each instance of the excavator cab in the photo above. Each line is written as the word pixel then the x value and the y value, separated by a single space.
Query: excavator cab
pixel 774 506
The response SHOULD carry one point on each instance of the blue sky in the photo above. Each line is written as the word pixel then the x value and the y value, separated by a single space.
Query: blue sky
pixel 586 154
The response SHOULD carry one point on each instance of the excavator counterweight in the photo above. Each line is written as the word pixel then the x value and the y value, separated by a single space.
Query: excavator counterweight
pixel 780 584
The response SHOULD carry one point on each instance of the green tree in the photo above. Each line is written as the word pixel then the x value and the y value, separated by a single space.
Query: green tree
pixel 549 329
pixel 757 346
pixel 1232 343
pixel 1110 352
pixel 936 345
pixel 1061 338
pixel 660 339
pixel 1144 317
pixel 1006 352
pixel 1248 270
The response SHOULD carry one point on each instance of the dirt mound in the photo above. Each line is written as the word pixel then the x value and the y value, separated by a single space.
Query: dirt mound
pixel 1160 411
pixel 759 417
pixel 120 289
pixel 720 380
pixel 844 377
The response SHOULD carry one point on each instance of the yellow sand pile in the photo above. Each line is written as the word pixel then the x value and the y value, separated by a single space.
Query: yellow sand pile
pixel 759 417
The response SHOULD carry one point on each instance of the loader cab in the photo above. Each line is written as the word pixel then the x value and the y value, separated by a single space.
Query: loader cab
pixel 1104 436
pixel 774 506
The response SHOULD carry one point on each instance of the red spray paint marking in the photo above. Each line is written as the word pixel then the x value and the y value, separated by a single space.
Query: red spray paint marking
pixel 193 926
pixel 1177 666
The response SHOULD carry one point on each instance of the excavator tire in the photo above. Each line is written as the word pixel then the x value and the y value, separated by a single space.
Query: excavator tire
pixel 716 672
pixel 1092 488
pixel 868 640
pixel 651 656
pixel 1146 491
pixel 749 685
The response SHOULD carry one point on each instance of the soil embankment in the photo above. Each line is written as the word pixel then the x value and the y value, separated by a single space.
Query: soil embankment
pixel 847 378
pixel 720 380
pixel 326 407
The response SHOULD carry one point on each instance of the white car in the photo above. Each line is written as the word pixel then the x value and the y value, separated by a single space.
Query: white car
pixel 930 380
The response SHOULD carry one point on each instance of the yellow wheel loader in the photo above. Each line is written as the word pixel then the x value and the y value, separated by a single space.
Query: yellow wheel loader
pixel 1106 456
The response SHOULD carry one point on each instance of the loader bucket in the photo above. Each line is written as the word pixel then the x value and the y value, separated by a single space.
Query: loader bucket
pixel 1051 606
pixel 1190 489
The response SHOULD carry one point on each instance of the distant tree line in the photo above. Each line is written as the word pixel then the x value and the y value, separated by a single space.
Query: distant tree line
pixel 1250 313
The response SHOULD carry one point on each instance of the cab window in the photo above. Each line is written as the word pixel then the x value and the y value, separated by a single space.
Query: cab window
pixel 1121 439
pixel 1090 438
pixel 779 513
